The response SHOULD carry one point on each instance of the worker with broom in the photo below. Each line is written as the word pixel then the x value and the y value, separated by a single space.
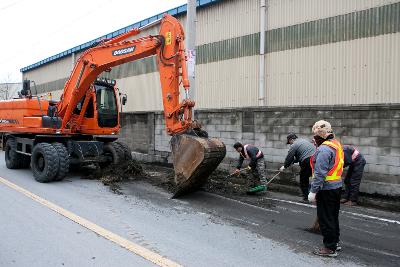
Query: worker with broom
pixel 300 151
pixel 256 165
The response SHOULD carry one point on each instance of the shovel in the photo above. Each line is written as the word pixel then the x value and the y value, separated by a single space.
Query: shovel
pixel 237 173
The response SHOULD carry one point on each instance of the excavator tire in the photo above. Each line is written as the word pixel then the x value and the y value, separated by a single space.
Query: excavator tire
pixel 114 150
pixel 63 161
pixel 126 149
pixel 13 159
pixel 194 158
pixel 45 162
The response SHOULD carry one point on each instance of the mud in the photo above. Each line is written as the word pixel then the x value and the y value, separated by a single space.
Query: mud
pixel 218 182
pixel 113 175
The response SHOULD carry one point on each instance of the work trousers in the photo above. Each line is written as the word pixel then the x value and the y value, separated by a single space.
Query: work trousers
pixel 258 176
pixel 353 179
pixel 305 174
pixel 328 206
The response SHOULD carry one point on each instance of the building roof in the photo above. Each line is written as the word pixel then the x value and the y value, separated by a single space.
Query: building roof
pixel 174 12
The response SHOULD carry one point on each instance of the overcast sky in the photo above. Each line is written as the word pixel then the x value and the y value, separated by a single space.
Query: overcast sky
pixel 32 30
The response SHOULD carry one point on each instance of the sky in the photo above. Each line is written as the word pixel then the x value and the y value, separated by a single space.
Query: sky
pixel 32 30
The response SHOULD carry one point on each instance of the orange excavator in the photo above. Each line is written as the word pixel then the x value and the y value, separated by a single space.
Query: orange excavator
pixel 82 128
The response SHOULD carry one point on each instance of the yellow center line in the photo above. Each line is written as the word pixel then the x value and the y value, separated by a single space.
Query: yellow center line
pixel 132 247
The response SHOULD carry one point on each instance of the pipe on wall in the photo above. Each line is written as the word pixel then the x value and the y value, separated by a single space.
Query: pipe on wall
pixel 261 88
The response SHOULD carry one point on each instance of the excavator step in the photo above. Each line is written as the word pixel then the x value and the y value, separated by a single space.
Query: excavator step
pixel 194 158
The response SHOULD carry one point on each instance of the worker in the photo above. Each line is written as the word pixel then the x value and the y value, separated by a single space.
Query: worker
pixel 356 162
pixel 300 151
pixel 257 165
pixel 326 186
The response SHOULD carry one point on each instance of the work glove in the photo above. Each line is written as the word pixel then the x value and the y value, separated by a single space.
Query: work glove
pixel 311 197
pixel 281 168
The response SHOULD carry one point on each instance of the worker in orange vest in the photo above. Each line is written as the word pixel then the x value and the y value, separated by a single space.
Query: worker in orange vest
pixel 327 167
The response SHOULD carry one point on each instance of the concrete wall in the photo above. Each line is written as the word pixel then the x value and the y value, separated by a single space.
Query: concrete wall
pixel 374 130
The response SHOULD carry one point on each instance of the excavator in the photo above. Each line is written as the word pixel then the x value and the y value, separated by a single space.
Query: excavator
pixel 82 127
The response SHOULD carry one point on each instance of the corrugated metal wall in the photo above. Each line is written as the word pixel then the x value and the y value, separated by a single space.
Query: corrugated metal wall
pixel 227 20
pixel 318 52
pixel 282 13
pixel 356 72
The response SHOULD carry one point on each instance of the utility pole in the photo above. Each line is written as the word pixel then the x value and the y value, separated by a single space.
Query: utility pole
pixel 191 45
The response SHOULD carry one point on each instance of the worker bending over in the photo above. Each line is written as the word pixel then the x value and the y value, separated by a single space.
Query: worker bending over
pixel 356 162
pixel 327 167
pixel 300 151
pixel 257 165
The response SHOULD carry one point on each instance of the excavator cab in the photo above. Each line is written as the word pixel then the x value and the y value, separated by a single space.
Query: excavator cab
pixel 106 105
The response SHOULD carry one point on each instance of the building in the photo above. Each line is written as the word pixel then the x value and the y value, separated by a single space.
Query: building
pixel 332 59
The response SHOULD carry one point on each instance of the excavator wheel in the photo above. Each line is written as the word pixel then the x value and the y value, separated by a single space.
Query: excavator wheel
pixel 194 158
pixel 45 162
pixel 115 151
pixel 126 149
pixel 63 161
pixel 13 159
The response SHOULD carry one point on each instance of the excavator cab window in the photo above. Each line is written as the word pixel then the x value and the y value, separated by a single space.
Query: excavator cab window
pixel 106 106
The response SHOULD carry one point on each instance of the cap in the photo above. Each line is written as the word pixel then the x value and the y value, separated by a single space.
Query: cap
pixel 291 136
pixel 322 128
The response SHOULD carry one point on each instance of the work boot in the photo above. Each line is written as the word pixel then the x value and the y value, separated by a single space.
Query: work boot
pixel 350 203
pixel 343 200
pixel 325 252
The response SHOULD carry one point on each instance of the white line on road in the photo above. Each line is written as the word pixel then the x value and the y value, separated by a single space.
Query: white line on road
pixel 342 211
pixel 375 250
pixel 132 247
pixel 244 203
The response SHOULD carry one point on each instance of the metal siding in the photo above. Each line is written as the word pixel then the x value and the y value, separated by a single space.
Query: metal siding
pixel 301 68
pixel 227 19
pixel 282 13
pixel 362 71
pixel 143 91
pixel 51 71
pixel 228 83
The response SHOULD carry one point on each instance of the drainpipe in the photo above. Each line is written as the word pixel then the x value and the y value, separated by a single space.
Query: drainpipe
pixel 190 35
pixel 261 89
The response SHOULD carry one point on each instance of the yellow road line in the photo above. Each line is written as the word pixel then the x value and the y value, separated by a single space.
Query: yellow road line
pixel 135 248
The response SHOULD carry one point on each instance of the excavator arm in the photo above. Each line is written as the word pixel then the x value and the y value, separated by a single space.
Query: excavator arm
pixel 169 48
pixel 195 156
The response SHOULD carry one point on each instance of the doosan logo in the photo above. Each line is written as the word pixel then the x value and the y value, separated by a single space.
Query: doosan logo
pixel 123 51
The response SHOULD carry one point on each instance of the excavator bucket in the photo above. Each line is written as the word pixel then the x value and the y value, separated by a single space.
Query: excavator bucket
pixel 195 158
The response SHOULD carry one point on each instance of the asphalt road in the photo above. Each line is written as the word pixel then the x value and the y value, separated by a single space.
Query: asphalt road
pixel 198 230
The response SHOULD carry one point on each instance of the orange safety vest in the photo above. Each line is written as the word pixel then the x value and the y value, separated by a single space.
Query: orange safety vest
pixel 334 174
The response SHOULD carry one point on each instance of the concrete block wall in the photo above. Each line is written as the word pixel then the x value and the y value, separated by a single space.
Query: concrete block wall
pixel 138 131
pixel 373 129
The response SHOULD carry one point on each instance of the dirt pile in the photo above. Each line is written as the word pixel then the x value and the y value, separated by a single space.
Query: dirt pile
pixel 112 175
pixel 221 183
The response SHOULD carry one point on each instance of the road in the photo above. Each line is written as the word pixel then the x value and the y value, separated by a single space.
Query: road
pixel 198 230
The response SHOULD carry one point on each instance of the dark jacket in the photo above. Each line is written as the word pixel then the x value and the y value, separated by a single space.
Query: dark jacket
pixel 351 155
pixel 252 151
pixel 300 150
